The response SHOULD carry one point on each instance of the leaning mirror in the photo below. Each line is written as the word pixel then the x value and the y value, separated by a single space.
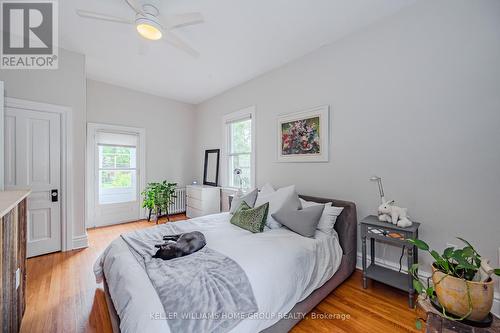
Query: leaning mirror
pixel 211 170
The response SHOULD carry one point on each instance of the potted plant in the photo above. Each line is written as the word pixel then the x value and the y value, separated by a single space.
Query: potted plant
pixel 157 197
pixel 461 281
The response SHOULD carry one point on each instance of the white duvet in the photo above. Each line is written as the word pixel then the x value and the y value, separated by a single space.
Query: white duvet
pixel 282 267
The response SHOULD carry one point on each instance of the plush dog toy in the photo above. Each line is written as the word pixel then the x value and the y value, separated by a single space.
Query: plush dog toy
pixel 388 212
pixel 176 246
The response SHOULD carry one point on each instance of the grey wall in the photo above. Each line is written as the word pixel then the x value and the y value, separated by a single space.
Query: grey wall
pixel 168 124
pixel 414 98
pixel 64 86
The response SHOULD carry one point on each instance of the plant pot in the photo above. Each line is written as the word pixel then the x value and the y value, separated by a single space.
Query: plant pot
pixel 452 295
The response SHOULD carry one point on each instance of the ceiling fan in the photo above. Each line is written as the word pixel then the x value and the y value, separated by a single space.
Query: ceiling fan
pixel 150 24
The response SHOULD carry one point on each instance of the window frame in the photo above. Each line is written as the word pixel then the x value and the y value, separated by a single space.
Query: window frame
pixel 243 114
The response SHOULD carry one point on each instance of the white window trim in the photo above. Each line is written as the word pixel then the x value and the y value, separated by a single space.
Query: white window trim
pixel 248 112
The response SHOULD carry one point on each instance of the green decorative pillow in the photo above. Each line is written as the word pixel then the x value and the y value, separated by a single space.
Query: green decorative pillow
pixel 251 219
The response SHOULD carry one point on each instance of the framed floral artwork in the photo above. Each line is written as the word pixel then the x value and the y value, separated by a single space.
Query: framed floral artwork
pixel 304 136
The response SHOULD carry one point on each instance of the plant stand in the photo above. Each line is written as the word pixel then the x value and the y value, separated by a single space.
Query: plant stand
pixel 158 217
pixel 435 323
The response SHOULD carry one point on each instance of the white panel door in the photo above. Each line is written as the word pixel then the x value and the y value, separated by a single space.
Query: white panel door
pixel 33 160
pixel 114 175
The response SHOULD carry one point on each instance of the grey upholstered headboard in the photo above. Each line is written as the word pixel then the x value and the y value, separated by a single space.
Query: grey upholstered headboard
pixel 346 225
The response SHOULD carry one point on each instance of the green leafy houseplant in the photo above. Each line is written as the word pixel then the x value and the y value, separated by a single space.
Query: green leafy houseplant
pixel 157 197
pixel 461 263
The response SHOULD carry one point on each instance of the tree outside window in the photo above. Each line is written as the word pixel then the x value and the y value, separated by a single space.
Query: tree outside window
pixel 240 153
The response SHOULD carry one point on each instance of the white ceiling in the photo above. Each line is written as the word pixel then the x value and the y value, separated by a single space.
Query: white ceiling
pixel 239 40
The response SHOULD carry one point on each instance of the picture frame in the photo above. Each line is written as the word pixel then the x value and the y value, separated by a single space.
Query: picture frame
pixel 304 136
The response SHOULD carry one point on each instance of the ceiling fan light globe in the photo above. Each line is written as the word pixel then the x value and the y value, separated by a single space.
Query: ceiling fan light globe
pixel 148 28
pixel 149 31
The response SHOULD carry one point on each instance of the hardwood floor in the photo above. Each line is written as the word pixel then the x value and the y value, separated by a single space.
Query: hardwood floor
pixel 62 296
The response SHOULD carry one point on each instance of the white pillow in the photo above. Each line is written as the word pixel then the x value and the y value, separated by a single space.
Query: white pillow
pixel 277 199
pixel 328 217
pixel 267 188
pixel 249 198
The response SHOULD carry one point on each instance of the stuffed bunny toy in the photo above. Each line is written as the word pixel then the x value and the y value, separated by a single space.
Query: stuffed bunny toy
pixel 388 212
pixel 485 270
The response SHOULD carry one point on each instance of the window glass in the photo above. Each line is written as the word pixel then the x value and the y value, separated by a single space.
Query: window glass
pixel 117 174
pixel 241 136
pixel 113 157
pixel 240 153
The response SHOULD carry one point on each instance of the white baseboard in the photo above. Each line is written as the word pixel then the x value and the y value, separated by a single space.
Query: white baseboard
pixel 80 242
pixel 423 274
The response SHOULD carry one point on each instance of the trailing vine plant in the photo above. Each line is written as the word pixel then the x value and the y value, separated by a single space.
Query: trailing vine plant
pixel 461 263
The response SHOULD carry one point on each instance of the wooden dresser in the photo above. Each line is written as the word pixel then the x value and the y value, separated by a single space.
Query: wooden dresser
pixel 13 259
pixel 202 200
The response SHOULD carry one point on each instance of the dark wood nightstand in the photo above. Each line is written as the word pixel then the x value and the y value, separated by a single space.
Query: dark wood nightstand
pixel 435 323
pixel 387 232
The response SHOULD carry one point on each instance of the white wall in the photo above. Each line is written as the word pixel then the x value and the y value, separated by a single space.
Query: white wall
pixel 169 142
pixel 168 124
pixel 414 98
pixel 64 86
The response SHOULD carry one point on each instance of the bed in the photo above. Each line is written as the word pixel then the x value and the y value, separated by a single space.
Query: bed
pixel 286 284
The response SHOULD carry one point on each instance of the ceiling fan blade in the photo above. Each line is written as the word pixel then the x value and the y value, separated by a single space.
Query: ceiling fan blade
pixel 182 20
pixel 180 44
pixel 104 17
pixel 136 6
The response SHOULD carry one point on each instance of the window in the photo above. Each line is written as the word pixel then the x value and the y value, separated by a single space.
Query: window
pixel 116 167
pixel 239 152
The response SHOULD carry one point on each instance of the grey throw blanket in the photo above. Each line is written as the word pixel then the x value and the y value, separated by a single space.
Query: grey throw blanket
pixel 201 292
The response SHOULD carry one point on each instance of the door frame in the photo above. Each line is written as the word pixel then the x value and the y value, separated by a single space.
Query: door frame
pixel 92 128
pixel 66 114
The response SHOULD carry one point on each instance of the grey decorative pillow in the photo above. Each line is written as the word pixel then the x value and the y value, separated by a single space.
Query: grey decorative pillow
pixel 251 219
pixel 302 221
pixel 249 198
